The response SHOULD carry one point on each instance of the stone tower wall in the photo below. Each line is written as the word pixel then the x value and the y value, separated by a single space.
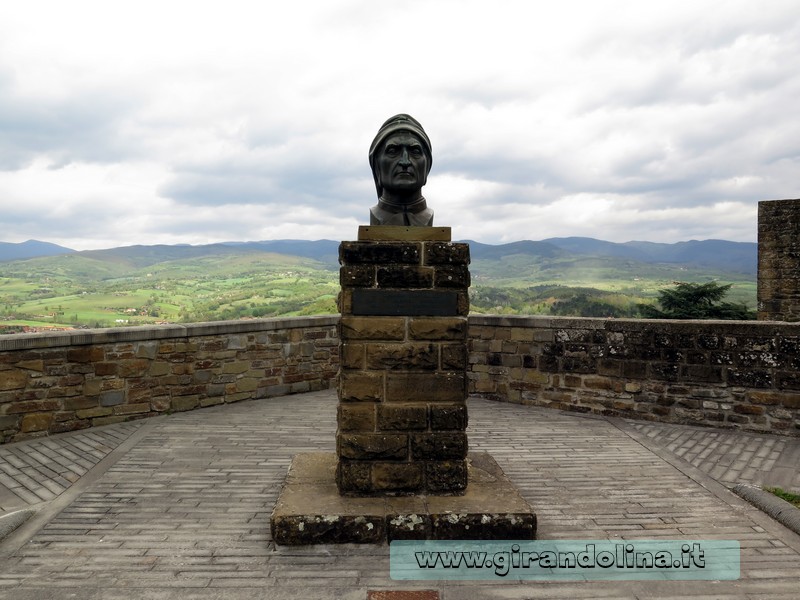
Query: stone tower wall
pixel 779 260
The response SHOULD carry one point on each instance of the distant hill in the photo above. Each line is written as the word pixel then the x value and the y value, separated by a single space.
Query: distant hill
pixel 326 251
pixel 30 249
pixel 181 283
pixel 735 257
pixel 738 257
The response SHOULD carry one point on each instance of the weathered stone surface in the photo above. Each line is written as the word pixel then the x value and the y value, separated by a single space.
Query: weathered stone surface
pixel 448 417
pixel 36 422
pixel 360 386
pixel 354 477
pixel 405 277
pixel 452 277
pixel 357 416
pixel 438 446
pixel 372 328
pixel 379 253
pixel 447 253
pixel 402 417
pixel 397 477
pixel 372 446
pixel 310 509
pixel 438 328
pixel 357 276
pixel 116 375
pixel 402 357
pixel 454 357
pixel 13 379
pixel 446 476
pixel 779 260
pixel 430 387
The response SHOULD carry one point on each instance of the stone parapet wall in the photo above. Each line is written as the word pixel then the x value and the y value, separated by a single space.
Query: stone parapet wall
pixel 740 374
pixel 56 382
pixel 744 375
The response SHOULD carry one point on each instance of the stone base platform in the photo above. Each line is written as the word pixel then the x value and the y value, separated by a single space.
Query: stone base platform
pixel 310 510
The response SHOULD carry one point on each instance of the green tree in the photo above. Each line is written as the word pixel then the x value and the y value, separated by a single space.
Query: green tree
pixel 696 301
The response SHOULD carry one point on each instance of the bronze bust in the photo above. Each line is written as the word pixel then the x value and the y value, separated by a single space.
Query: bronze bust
pixel 400 158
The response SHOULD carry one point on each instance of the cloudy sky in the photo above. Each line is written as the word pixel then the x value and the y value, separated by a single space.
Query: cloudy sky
pixel 194 122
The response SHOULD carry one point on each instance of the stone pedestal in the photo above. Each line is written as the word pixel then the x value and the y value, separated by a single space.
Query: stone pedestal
pixel 402 414
pixel 401 468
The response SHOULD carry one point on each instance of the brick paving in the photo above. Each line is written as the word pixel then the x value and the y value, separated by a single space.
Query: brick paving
pixel 182 510
pixel 39 470
pixel 730 457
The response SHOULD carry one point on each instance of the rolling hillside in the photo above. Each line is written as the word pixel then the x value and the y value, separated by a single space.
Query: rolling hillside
pixel 151 284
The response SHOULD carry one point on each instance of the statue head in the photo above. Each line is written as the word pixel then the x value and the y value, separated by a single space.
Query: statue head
pixel 400 158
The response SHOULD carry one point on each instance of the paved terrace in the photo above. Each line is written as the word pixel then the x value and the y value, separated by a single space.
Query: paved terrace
pixel 178 506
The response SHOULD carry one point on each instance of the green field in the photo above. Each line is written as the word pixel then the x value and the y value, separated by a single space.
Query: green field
pixel 146 285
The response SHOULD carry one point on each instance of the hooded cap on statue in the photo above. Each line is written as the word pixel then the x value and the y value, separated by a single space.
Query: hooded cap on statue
pixel 401 122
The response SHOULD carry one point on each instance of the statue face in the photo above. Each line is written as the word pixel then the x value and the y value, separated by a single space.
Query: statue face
pixel 402 164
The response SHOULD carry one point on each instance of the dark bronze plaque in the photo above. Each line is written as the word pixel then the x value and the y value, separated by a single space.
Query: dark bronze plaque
pixel 412 303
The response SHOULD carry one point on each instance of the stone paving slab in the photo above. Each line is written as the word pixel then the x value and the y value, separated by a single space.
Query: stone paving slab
pixel 183 512
pixel 728 456
pixel 39 470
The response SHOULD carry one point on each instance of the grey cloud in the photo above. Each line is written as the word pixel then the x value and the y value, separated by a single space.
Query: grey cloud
pixel 84 127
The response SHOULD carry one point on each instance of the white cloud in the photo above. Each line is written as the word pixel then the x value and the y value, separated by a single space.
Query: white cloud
pixel 194 122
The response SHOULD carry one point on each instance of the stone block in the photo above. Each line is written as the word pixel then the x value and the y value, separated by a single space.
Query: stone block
pixel 356 416
pixel 446 253
pixel 396 477
pixel 379 253
pixel 454 357
pixel 36 422
pixel 355 386
pixel 462 304
pixel 372 446
pixel 132 409
pixel 91 413
pixel 446 477
pixel 402 417
pixel 184 403
pixel 354 476
pixel 112 398
pixel 136 367
pixel 357 276
pixel 438 328
pixel 85 354
pixel 428 387
pixel 352 355
pixel 452 277
pixel 13 379
pixel 448 417
pixel 236 367
pixel 408 356
pixel 438 446
pixel 405 277
pixel 373 328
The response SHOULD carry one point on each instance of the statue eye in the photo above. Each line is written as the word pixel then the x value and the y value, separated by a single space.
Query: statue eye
pixel 391 150
pixel 416 151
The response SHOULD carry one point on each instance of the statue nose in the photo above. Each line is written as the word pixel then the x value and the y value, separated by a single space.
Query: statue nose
pixel 404 158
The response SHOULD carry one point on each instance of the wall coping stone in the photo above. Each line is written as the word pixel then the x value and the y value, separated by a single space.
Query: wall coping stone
pixel 720 326
pixel 84 337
